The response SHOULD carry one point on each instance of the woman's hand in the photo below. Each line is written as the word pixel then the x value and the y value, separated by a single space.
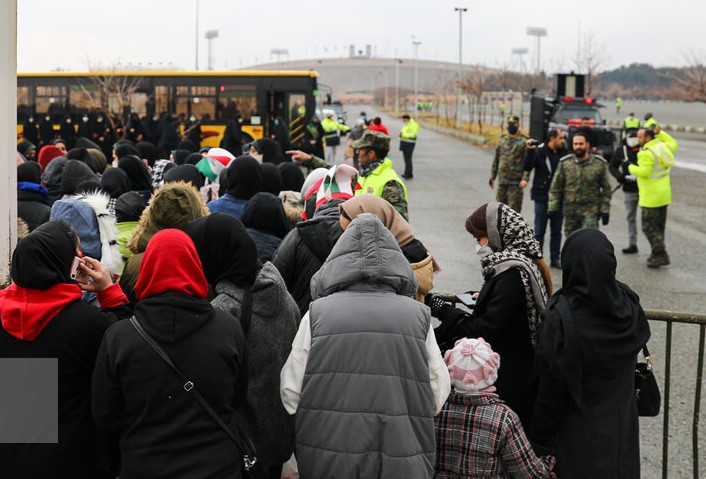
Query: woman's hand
pixel 95 277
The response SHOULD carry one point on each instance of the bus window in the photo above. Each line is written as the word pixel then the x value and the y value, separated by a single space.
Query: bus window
pixel 196 100
pixel 161 98
pixel 138 103
pixel 24 110
pixel 85 97
pixel 237 100
pixel 51 99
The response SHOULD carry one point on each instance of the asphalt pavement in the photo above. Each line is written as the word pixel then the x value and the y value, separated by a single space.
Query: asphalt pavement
pixel 451 181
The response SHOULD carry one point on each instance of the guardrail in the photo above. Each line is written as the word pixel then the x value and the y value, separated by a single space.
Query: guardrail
pixel 670 318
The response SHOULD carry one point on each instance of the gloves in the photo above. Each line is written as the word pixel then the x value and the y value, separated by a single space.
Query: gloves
pixel 435 303
pixel 604 217
pixel 630 178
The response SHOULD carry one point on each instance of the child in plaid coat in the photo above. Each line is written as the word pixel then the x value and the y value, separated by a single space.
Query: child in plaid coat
pixel 477 434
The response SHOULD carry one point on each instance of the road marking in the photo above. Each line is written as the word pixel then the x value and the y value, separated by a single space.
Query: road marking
pixel 690 166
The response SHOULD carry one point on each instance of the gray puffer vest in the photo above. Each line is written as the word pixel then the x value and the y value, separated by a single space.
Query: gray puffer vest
pixel 366 407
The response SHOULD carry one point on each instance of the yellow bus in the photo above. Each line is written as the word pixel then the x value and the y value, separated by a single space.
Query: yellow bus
pixel 257 97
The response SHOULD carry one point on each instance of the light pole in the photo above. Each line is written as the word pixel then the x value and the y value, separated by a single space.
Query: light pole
pixel 416 44
pixel 538 33
pixel 196 30
pixel 210 35
pixel 461 11
pixel 520 52
pixel 397 85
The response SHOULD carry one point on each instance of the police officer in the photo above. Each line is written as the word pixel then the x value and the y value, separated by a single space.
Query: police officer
pixel 408 139
pixel 631 123
pixel 625 155
pixel 654 165
pixel 507 165
pixel 332 136
pixel 650 121
pixel 581 188
pixel 544 160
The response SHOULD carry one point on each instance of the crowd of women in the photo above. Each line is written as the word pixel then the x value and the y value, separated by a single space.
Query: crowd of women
pixel 301 313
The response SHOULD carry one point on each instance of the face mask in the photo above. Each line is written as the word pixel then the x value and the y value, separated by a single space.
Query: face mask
pixel 276 122
pixel 47 118
pixel 99 119
pixel 192 119
pixel 85 119
pixel 483 251
pixel 512 129
pixel 579 153
pixel 257 156
pixel 31 120
pixel 68 120
pixel 632 141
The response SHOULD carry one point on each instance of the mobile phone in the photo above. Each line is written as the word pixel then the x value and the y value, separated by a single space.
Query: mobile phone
pixel 467 299
pixel 75 271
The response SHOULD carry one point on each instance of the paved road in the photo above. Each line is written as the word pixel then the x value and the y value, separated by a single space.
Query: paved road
pixel 451 180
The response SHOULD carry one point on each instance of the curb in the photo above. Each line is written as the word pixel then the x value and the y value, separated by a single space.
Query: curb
pixel 677 128
pixel 461 135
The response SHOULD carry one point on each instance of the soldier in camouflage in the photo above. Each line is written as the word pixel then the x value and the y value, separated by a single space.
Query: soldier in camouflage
pixel 375 175
pixel 507 165
pixel 581 187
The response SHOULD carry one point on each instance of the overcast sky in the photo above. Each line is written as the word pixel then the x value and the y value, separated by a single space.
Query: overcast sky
pixel 71 34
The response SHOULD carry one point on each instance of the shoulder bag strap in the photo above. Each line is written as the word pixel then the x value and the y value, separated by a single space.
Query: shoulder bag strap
pixel 244 445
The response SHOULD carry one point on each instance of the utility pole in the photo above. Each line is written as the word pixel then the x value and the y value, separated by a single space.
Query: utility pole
pixel 397 85
pixel 461 11
pixel 416 44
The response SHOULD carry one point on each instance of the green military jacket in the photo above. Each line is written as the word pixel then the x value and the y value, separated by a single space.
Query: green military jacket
pixel 509 156
pixel 581 185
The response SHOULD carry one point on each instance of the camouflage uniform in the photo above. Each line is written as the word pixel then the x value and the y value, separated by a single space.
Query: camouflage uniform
pixel 582 189
pixel 393 193
pixel 507 167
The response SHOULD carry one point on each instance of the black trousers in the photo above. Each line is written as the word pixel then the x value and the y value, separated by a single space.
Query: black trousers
pixel 407 149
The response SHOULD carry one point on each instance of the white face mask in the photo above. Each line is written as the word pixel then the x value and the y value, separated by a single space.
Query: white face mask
pixel 632 141
pixel 483 251
pixel 257 156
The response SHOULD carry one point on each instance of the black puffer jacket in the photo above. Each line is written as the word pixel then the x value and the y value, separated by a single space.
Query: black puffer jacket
pixel 305 249
pixel 32 207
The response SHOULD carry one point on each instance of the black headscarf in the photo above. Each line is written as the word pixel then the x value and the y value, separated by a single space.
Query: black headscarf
pixel 188 173
pixel 129 207
pixel 147 151
pixel 25 146
pixel 193 158
pixel 180 156
pixel 270 150
pixel 292 176
pixel 271 179
pixel 136 171
pixel 188 145
pixel 244 177
pixel 226 250
pixel 594 319
pixel 30 172
pixel 83 142
pixel 86 187
pixel 84 156
pixel 75 172
pixel 44 257
pixel 115 182
pixel 125 149
pixel 265 212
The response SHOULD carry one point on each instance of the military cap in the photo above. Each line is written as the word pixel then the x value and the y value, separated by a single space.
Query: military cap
pixel 373 139
pixel 513 119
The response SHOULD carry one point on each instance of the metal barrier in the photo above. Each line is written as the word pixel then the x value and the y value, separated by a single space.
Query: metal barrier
pixel 670 318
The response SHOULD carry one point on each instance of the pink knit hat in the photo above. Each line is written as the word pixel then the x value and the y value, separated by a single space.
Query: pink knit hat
pixel 473 365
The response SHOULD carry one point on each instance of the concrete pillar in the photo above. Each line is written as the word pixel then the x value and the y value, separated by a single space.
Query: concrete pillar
pixel 8 130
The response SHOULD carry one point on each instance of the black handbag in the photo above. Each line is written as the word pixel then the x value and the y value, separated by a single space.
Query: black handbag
pixel 646 389
pixel 242 441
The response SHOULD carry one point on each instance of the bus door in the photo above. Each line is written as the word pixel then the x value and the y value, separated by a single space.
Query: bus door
pixel 296 111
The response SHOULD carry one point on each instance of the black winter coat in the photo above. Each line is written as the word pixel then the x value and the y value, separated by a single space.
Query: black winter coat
pixel 305 249
pixel 544 161
pixel 499 317
pixel 33 208
pixel 164 432
pixel 73 336
pixel 619 167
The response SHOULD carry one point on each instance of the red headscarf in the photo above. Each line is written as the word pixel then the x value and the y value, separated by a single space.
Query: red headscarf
pixel 171 264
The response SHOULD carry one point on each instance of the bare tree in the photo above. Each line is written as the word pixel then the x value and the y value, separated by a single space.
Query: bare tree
pixel 109 91
pixel 692 78
pixel 590 58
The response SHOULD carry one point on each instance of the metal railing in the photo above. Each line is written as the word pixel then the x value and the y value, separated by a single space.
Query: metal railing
pixel 670 318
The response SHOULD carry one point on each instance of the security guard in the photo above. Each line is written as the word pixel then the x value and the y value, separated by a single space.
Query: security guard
pixel 408 139
pixel 507 165
pixel 650 121
pixel 630 122
pixel 654 165
pixel 332 137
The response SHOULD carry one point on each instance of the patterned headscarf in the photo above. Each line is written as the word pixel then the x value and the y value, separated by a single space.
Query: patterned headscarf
pixel 514 246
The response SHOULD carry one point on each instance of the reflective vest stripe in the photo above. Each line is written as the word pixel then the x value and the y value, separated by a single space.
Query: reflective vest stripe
pixel 657 171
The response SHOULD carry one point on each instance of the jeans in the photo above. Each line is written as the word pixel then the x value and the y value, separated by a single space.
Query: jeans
pixel 541 218
pixel 631 200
